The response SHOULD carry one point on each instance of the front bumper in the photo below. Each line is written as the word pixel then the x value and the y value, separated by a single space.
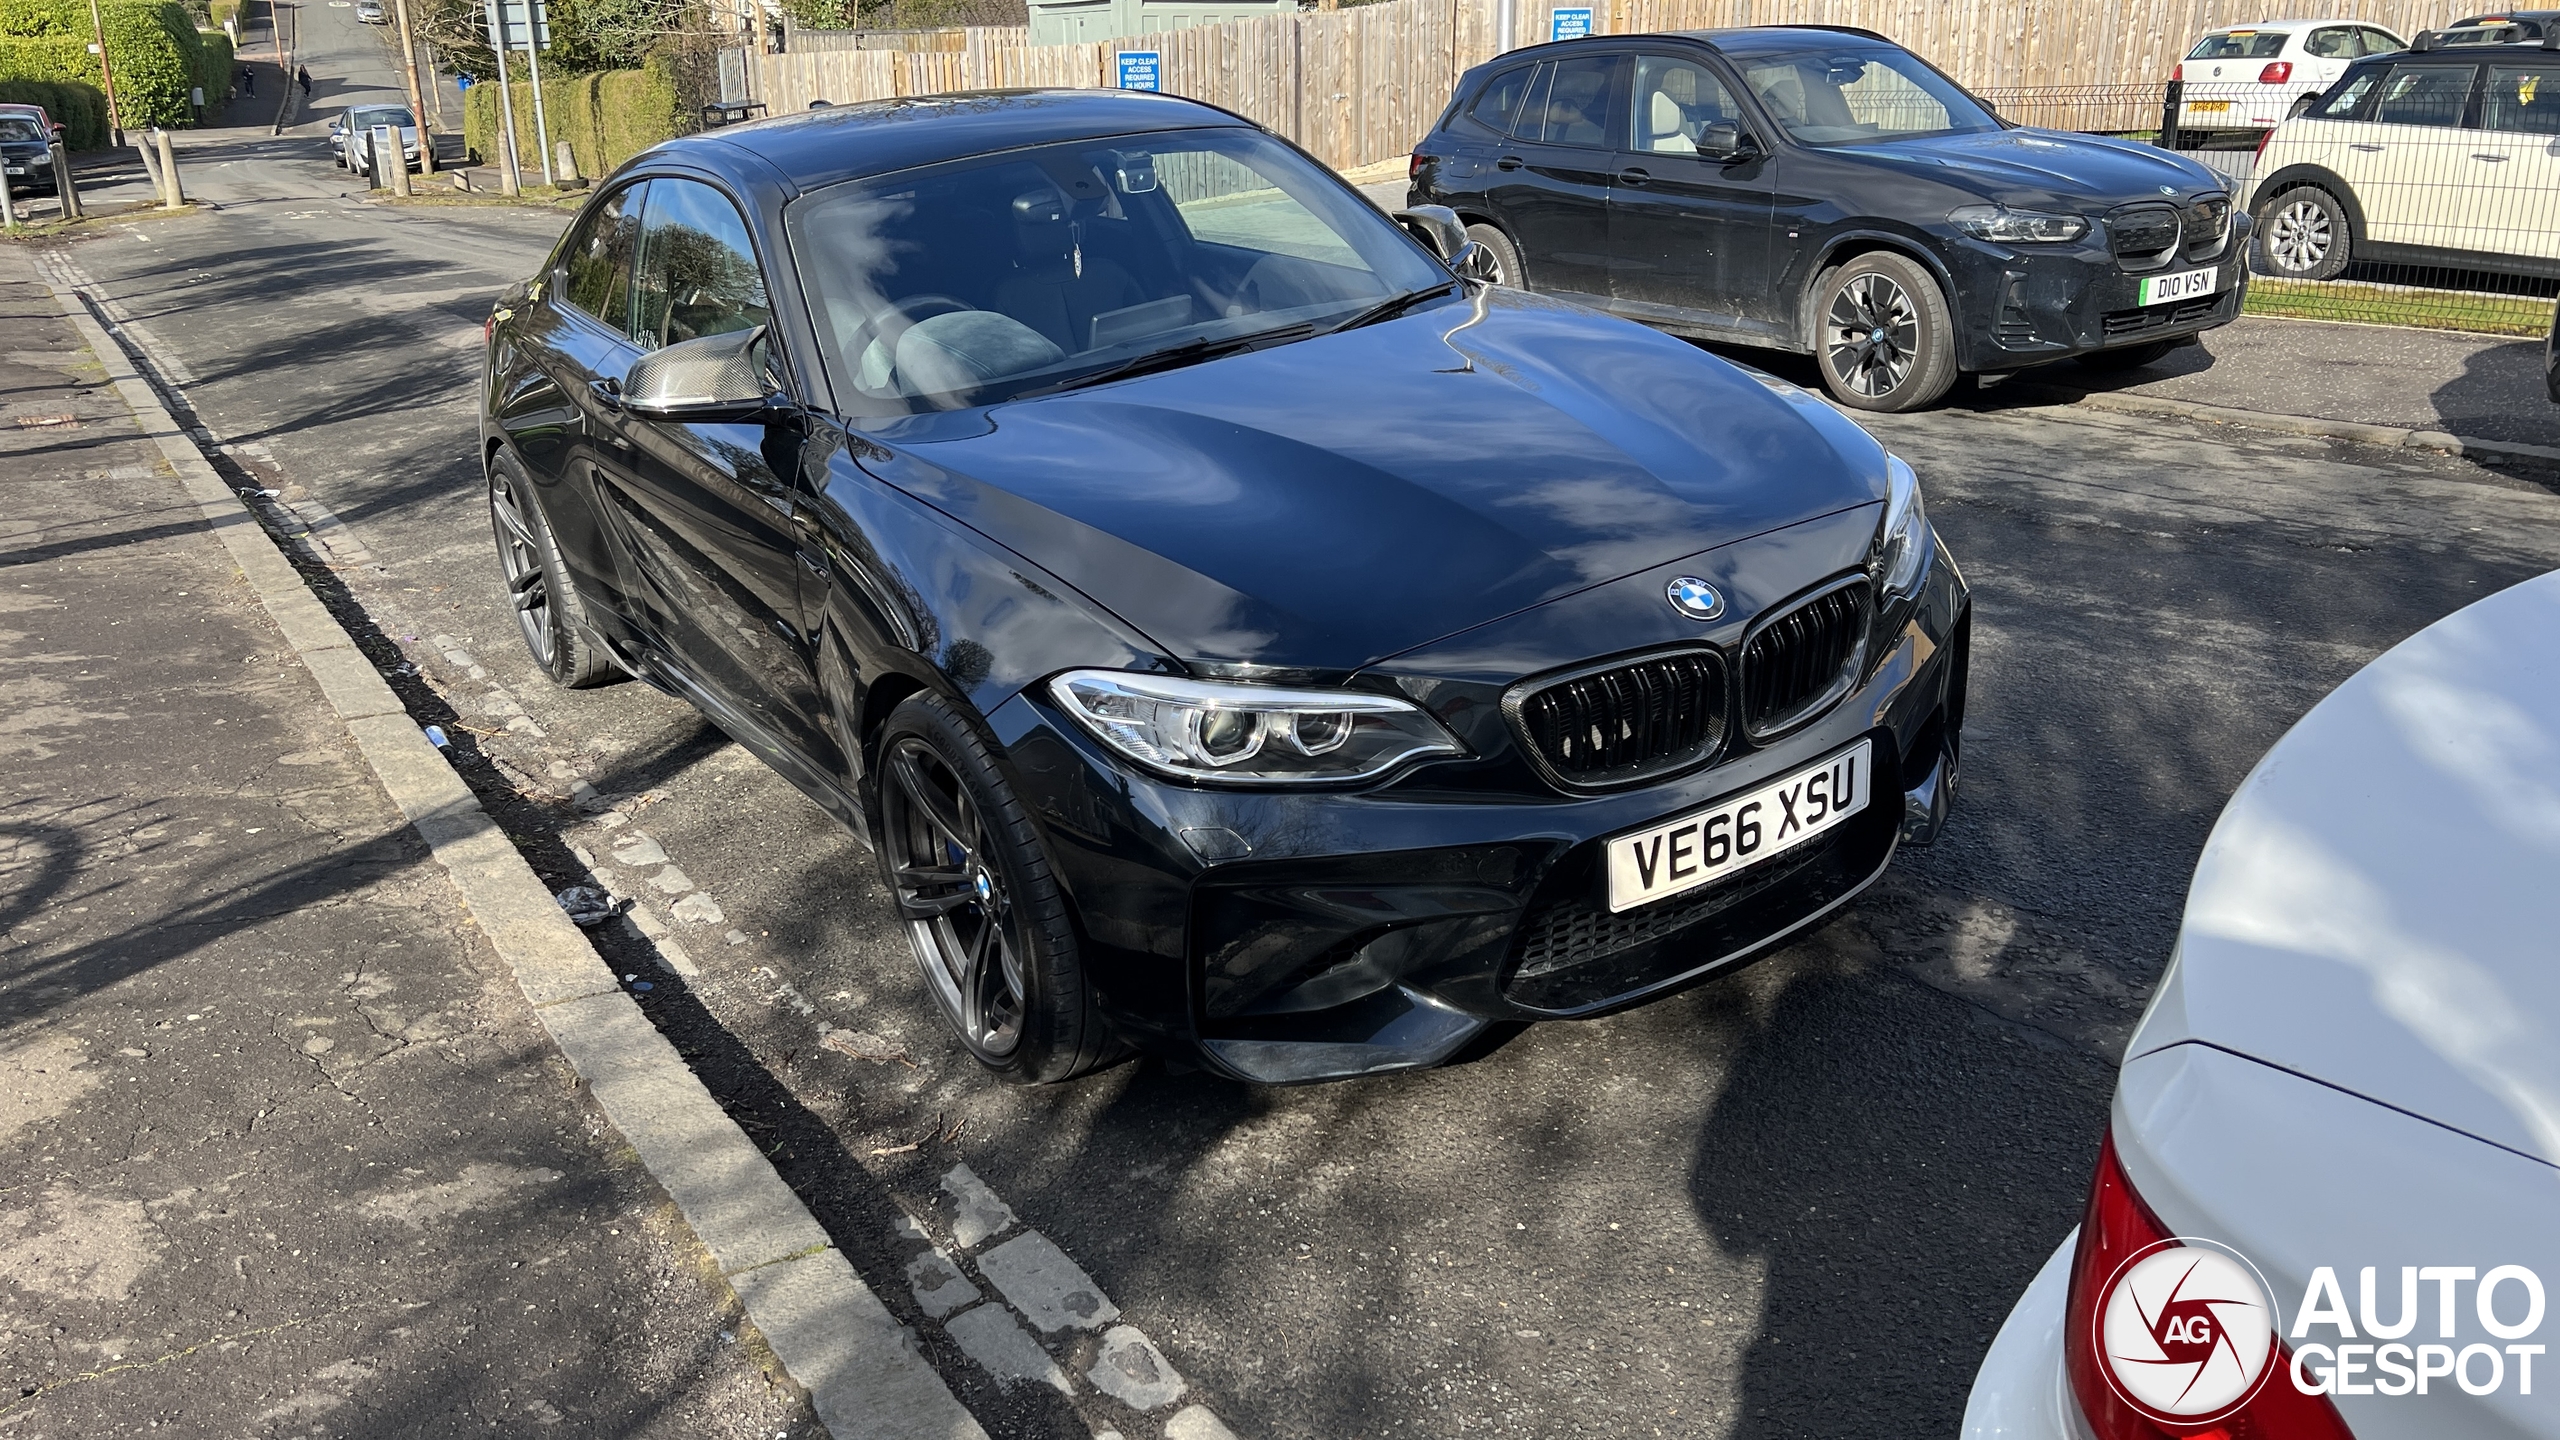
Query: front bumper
pixel 1280 937
pixel 2028 305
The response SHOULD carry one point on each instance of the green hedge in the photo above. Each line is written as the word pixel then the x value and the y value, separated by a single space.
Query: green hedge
pixel 606 117
pixel 81 109
pixel 159 57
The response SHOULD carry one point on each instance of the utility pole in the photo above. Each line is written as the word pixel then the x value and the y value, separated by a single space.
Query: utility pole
pixel 107 75
pixel 417 106
pixel 510 179
pixel 533 60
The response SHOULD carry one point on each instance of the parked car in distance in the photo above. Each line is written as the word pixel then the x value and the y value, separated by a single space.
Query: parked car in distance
pixel 2335 1125
pixel 1825 191
pixel 52 127
pixel 2488 29
pixel 2447 156
pixel 1239 637
pixel 26 155
pixel 352 136
pixel 371 12
pixel 2246 77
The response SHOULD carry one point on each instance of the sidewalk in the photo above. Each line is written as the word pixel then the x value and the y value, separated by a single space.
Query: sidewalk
pixel 282 1149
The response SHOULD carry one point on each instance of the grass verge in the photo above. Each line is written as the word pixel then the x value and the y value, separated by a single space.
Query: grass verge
pixel 2381 305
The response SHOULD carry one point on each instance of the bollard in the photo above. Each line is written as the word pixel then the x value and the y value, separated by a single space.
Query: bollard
pixel 8 206
pixel 176 189
pixel 568 161
pixel 399 162
pixel 383 142
pixel 150 164
pixel 65 189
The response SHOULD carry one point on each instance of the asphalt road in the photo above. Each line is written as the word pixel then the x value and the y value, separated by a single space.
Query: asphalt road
pixel 1798 1201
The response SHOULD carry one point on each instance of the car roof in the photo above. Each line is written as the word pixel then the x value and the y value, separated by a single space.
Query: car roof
pixel 814 148
pixel 2298 23
pixel 1760 39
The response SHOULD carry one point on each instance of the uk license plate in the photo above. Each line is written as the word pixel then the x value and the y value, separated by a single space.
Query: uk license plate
pixel 2185 285
pixel 1707 845
pixel 2209 107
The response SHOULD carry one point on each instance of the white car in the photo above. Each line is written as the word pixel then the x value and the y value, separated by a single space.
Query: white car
pixel 2328 1204
pixel 2446 156
pixel 2246 77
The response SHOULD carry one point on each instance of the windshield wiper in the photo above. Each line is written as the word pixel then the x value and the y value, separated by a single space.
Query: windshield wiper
pixel 1189 352
pixel 1389 309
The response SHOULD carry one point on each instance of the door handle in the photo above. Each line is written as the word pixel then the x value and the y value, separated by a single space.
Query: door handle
pixel 2368 149
pixel 1633 176
pixel 2492 159
pixel 1509 162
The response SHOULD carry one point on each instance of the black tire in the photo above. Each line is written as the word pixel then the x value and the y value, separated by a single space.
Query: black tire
pixel 2301 234
pixel 1506 256
pixel 966 870
pixel 2128 357
pixel 549 614
pixel 1882 334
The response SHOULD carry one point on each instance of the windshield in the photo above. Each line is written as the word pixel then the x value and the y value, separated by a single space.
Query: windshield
pixel 968 283
pixel 1845 98
pixel 2240 45
pixel 367 119
pixel 18 127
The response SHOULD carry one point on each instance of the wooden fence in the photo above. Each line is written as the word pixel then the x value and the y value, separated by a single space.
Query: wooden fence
pixel 1361 85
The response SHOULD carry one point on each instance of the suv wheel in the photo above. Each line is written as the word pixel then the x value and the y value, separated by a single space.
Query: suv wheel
pixel 966 870
pixel 548 612
pixel 2302 235
pixel 1885 339
pixel 1506 256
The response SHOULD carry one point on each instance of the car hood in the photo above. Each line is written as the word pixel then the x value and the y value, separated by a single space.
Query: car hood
pixel 2372 910
pixel 1324 504
pixel 2047 169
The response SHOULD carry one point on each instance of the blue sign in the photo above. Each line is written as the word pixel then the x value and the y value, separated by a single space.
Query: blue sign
pixel 1571 24
pixel 1142 69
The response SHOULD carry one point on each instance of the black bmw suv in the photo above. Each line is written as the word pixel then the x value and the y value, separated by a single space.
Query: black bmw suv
pixel 1825 191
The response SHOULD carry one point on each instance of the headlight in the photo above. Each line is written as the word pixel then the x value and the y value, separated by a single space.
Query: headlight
pixel 2031 227
pixel 1249 734
pixel 1904 554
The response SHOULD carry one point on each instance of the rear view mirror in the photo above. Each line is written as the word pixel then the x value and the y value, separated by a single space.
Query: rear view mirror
pixel 1438 227
pixel 1725 140
pixel 715 377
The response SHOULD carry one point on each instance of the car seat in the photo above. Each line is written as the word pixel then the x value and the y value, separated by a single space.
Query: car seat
pixel 1058 285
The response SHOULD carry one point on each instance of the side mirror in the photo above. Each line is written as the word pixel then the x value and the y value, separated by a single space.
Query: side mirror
pixel 1475 262
pixel 715 377
pixel 1438 227
pixel 1726 141
pixel 2302 105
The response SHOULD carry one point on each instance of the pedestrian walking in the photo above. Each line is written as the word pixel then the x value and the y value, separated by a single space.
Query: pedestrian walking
pixel 302 77
pixel 248 81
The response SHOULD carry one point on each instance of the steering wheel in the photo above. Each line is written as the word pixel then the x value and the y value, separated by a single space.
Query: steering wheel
pixel 893 320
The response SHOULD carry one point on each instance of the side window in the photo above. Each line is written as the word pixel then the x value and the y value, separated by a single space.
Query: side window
pixel 1675 102
pixel 2424 95
pixel 1501 100
pixel 697 274
pixel 2524 99
pixel 1576 103
pixel 2382 42
pixel 598 260
pixel 2350 97
pixel 2335 42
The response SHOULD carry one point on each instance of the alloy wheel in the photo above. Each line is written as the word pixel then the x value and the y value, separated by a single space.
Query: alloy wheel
pixel 2299 237
pixel 1872 335
pixel 953 896
pixel 520 562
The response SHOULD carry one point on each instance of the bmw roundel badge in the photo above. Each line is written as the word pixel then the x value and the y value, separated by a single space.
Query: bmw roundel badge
pixel 1695 598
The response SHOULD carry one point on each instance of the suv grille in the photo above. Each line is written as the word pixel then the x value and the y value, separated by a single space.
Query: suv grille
pixel 2147 237
pixel 1627 722
pixel 2205 227
pixel 1803 659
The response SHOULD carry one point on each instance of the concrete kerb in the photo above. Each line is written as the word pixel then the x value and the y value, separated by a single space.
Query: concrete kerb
pixel 2389 436
pixel 861 1368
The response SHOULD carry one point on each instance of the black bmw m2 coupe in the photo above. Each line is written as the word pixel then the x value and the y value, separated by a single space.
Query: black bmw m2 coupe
pixel 1242 632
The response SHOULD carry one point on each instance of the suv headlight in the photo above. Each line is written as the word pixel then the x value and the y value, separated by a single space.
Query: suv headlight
pixel 1903 555
pixel 2017 227
pixel 1231 734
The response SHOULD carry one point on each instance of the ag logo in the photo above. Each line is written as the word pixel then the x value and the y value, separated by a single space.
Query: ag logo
pixel 2185 1333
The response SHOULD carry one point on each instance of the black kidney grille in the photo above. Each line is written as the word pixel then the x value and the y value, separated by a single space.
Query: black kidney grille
pixel 1797 658
pixel 1629 721
pixel 2203 226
